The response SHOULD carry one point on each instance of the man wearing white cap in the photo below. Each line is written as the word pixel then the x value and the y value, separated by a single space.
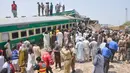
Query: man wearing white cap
pixel 80 51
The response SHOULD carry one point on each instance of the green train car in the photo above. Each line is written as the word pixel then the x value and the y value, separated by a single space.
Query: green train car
pixel 16 29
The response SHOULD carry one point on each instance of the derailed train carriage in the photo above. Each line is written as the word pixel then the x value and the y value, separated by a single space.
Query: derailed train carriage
pixel 16 29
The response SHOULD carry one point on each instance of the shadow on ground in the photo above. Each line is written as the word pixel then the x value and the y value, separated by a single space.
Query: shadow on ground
pixel 112 72
pixel 78 71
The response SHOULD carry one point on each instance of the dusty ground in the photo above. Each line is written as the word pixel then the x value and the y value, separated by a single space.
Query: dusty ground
pixel 87 68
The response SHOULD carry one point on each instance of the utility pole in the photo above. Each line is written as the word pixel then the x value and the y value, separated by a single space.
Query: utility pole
pixel 126 14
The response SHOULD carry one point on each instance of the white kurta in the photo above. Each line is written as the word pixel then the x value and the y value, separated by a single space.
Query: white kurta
pixel 59 38
pixel 46 9
pixel 66 37
pixel 93 46
pixel 80 51
pixel 37 51
pixel 1 62
pixel 30 63
pixel 86 48
pixel 6 65
pixel 102 45
pixel 77 38
pixel 8 50
pixel 46 40
pixel 85 35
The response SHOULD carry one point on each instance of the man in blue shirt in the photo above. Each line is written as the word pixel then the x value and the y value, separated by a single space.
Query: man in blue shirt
pixel 113 47
pixel 106 52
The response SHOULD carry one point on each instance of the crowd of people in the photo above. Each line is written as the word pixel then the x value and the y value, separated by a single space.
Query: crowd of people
pixel 48 8
pixel 79 44
pixel 44 9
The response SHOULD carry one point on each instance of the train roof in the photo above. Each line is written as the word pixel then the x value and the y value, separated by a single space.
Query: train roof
pixel 25 20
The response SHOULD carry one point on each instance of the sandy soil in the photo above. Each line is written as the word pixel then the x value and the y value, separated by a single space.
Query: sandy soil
pixel 88 67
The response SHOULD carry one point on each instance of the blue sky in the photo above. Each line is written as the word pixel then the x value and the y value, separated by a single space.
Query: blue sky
pixel 106 11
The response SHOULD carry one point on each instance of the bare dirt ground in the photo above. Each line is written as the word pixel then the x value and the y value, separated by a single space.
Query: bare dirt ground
pixel 87 67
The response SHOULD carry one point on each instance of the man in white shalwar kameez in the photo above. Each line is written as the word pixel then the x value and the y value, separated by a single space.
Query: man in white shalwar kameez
pixel 31 61
pixel 7 65
pixel 85 34
pixel 93 46
pixel 66 33
pixel 2 59
pixel 46 40
pixel 37 51
pixel 8 49
pixel 59 38
pixel 80 51
pixel 47 9
pixel 86 48
pixel 78 36
pixel 102 45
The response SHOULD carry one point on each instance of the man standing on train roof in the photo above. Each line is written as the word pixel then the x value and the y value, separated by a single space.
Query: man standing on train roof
pixel 51 9
pixel 47 9
pixel 42 7
pixel 56 8
pixel 59 6
pixel 38 8
pixel 14 9
pixel 63 8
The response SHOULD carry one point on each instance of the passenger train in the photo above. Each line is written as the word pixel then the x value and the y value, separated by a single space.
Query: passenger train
pixel 16 29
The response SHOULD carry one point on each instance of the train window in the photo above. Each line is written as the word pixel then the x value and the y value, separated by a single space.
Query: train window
pixel 63 26
pixel 38 31
pixel 54 27
pixel 5 36
pixel 15 35
pixel 67 26
pixel 70 25
pixel 31 32
pixel 73 25
pixel 49 28
pixel 23 33
pixel 59 27
pixel 43 29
